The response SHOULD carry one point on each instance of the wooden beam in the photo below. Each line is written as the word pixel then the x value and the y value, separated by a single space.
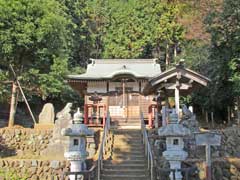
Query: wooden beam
pixel 196 79
pixel 172 86
pixel 164 78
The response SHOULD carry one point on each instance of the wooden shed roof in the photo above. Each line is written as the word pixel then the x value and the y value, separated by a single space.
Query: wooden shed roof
pixel 187 80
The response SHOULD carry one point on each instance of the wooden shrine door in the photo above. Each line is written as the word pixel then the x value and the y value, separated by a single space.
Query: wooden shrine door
pixel 127 108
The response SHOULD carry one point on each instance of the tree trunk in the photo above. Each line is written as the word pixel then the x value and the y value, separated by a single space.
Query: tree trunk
pixel 12 105
pixel 229 114
pixel 175 50
pixel 212 119
pixel 206 117
pixel 238 110
pixel 167 56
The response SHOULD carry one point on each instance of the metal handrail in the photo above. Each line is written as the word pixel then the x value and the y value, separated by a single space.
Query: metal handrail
pixel 148 151
pixel 102 146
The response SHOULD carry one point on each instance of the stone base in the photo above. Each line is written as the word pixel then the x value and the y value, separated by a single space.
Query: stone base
pixel 43 126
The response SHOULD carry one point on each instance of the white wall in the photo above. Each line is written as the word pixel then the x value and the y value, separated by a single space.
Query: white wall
pixel 99 86
pixel 113 85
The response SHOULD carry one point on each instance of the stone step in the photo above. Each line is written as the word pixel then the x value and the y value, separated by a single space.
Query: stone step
pixel 124 152
pixel 123 122
pixel 139 144
pixel 126 120
pixel 126 162
pixel 128 137
pixel 124 171
pixel 127 131
pixel 129 127
pixel 129 143
pixel 124 177
pixel 120 166
pixel 131 146
pixel 127 157
pixel 128 149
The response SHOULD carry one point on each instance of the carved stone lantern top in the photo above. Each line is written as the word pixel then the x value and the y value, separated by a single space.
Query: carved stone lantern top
pixel 78 117
pixel 77 128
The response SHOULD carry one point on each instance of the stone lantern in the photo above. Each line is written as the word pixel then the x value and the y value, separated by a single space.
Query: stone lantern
pixel 76 152
pixel 174 133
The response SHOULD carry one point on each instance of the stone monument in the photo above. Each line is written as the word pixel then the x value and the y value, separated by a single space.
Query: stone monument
pixel 76 152
pixel 189 119
pixel 58 142
pixel 47 114
pixel 174 133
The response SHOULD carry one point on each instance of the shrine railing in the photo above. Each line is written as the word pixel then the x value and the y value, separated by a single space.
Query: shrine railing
pixel 102 146
pixel 148 151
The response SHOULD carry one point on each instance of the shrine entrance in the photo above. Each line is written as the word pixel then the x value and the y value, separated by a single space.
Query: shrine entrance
pixel 124 101
pixel 130 109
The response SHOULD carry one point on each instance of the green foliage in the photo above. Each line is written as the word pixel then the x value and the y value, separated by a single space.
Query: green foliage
pixel 220 60
pixel 3 90
pixel 235 76
pixel 225 32
pixel 80 42
pixel 34 38
pixel 133 29
pixel 11 174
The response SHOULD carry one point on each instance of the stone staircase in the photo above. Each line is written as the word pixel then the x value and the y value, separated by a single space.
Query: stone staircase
pixel 129 123
pixel 126 160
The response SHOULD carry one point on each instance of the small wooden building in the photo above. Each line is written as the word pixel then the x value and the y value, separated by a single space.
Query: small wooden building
pixel 116 85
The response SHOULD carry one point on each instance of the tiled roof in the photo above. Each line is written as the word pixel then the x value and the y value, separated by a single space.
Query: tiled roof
pixel 109 68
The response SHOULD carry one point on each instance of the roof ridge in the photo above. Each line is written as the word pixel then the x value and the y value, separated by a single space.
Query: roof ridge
pixel 117 61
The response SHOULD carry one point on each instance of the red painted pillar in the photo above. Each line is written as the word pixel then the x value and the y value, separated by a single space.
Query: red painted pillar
pixel 85 114
pixel 150 116
pixel 104 116
pixel 91 119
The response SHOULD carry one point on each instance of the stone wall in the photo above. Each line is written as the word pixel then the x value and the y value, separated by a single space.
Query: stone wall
pixel 230 142
pixel 23 142
pixel 32 169
pixel 222 169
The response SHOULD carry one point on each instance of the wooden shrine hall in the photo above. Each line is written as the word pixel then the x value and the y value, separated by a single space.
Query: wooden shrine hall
pixel 126 87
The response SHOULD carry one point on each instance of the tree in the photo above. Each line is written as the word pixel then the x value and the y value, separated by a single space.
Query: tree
pixel 166 31
pixel 123 34
pixel 134 29
pixel 81 40
pixel 34 39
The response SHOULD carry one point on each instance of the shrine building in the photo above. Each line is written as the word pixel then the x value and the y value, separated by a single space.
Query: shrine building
pixel 116 86
pixel 126 87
